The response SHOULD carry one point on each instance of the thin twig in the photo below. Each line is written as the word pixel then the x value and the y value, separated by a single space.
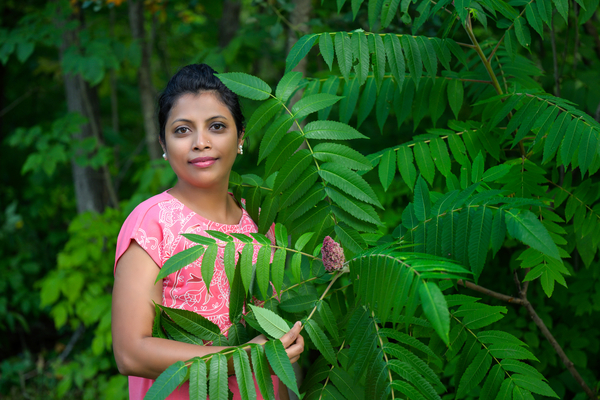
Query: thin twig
pixel 491 293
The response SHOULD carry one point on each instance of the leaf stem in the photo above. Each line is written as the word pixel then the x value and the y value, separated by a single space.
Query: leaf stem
pixel 384 355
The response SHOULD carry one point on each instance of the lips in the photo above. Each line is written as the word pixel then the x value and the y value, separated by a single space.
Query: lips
pixel 203 162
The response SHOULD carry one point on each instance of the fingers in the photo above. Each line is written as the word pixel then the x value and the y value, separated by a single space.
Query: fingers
pixel 291 335
pixel 295 350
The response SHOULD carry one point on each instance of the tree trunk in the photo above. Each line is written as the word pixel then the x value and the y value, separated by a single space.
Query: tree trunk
pixel 229 22
pixel 147 92
pixel 299 20
pixel 91 188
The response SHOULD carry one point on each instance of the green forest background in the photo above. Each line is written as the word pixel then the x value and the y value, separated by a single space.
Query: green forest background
pixel 78 88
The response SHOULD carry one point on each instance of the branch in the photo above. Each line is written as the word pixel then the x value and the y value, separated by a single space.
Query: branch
pixel 561 354
pixel 491 293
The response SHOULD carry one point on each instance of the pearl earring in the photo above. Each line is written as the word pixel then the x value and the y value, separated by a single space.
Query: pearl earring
pixel 241 149
pixel 165 156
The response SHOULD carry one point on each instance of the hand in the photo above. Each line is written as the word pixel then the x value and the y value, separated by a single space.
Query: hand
pixel 293 342
pixel 260 339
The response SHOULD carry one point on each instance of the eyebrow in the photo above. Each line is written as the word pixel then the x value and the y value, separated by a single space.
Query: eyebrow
pixel 188 121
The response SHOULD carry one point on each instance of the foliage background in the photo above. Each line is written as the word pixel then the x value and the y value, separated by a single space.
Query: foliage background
pixel 56 272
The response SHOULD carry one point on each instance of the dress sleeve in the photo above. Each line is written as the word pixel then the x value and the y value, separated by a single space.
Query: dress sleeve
pixel 143 227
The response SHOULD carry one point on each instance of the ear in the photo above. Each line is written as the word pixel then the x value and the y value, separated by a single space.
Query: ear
pixel 241 140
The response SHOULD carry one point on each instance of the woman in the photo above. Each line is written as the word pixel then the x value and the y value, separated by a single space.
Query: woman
pixel 201 133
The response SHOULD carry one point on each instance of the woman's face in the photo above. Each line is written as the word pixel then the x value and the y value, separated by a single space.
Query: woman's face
pixel 201 140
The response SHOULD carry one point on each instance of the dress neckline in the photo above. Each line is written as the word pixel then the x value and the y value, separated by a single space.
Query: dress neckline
pixel 204 219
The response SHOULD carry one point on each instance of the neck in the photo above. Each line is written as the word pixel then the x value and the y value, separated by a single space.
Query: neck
pixel 214 203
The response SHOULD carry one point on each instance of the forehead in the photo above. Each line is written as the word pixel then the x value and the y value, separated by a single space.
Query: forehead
pixel 203 104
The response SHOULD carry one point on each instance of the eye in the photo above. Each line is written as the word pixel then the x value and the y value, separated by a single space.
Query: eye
pixel 182 129
pixel 218 126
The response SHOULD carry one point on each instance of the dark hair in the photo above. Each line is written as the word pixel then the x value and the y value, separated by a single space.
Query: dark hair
pixel 195 79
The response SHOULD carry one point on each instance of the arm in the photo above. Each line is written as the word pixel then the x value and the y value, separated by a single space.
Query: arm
pixel 136 351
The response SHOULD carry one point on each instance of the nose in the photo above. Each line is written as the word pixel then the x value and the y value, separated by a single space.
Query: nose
pixel 202 140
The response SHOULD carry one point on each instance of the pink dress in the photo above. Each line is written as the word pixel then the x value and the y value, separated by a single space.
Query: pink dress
pixel 156 225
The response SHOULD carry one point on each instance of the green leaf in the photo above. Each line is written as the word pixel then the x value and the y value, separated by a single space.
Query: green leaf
pixel 384 100
pixel 395 58
pixel 331 130
pixel 387 169
pixel 571 141
pixel 499 337
pixel 328 318
pixel 238 294
pixel 406 166
pixel 498 231
pixel 511 351
pixel 306 203
pixel 208 264
pixel 277 269
pixel 522 368
pixel 437 104
pixel 350 239
pixel 302 302
pixel 346 384
pixel 408 390
pixel 168 381
pixel 285 149
pixel 388 12
pixel 326 48
pixel 320 340
pixel 198 387
pixel 331 86
pixel 245 85
pixel 367 101
pixel 299 51
pixel 357 209
pixel 287 85
pixel 563 8
pixel 360 54
pixel 193 323
pixel 534 18
pixel 428 55
pixel 262 115
pixel 534 385
pixel 348 103
pixel 218 388
pixel 273 135
pixel 413 58
pixel 344 155
pixel 350 182
pixel 229 261
pixel 374 10
pixel 506 389
pixel 525 227
pixel 435 309
pixel 262 269
pixel 272 323
pixel 440 155
pixel 477 170
pixel 424 161
pixel 343 50
pixel 268 212
pixel 475 372
pixel 455 95
pixel 479 239
pixel 377 48
pixel 422 203
pixel 179 260
pixel 313 103
pixel 461 9
pixel 246 266
pixel 280 363
pixel 587 149
pixel 492 383
pixel 177 333
pixel 495 173
pixel 243 374
pixel 302 184
pixel 291 170
pixel 555 135
pixel 522 32
pixel 261 371
pixel 355 7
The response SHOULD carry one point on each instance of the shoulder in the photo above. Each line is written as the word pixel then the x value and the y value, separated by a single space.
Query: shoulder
pixel 148 209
